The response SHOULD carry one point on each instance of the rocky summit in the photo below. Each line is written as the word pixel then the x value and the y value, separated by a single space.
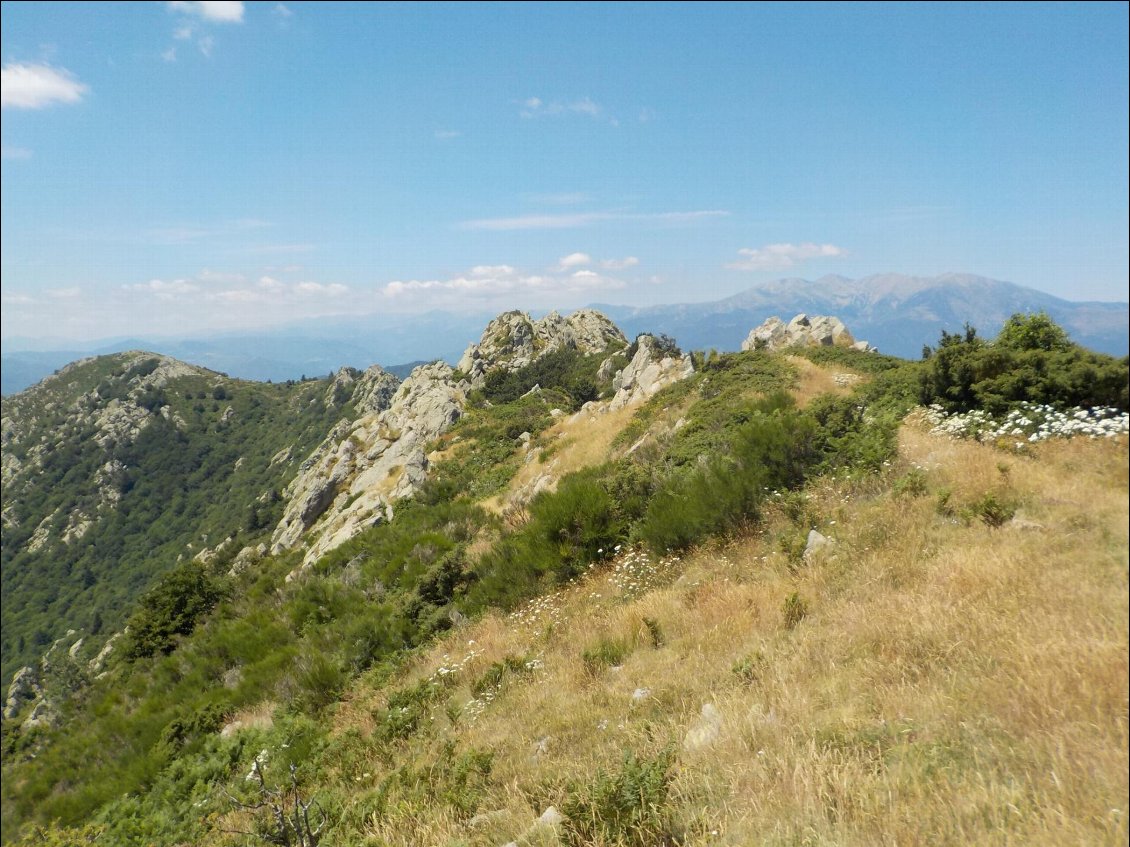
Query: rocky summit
pixel 803 331
pixel 513 340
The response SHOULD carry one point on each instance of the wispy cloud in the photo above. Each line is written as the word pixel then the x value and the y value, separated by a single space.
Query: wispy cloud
pixel 581 260
pixel 197 17
pixel 283 11
pixel 619 264
pixel 583 219
pixel 225 287
pixel 487 282
pixel 189 233
pixel 217 11
pixel 445 134
pixel 562 198
pixel 14 153
pixel 70 293
pixel 535 107
pixel 25 86
pixel 777 257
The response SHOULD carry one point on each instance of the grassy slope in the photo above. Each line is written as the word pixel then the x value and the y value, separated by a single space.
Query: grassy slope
pixel 930 681
pixel 950 683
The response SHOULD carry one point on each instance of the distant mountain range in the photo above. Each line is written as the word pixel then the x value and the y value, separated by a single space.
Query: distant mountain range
pixel 895 312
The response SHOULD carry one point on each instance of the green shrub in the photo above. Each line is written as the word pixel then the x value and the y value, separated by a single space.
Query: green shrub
pixel 1031 360
pixel 773 450
pixel 172 608
pixel 994 510
pixel 794 609
pixel 911 484
pixel 749 668
pixel 491 679
pixel 606 653
pixel 628 808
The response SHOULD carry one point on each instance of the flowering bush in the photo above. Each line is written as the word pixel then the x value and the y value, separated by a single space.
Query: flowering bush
pixel 1029 423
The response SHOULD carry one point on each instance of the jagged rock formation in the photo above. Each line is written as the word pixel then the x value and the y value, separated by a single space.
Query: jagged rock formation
pixel 513 340
pixel 24 689
pixel 362 466
pixel 803 331
pixel 650 370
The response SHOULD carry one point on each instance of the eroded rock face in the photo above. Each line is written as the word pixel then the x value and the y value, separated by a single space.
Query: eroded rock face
pixel 513 340
pixel 803 331
pixel 649 371
pixel 24 689
pixel 363 466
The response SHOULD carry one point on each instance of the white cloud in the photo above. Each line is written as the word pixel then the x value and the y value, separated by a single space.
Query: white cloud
pixel 533 107
pixel 224 287
pixel 219 11
pixel 183 32
pixel 582 219
pixel 206 44
pixel 585 106
pixel 64 293
pixel 444 134
pixel 166 290
pixel 574 260
pixel 38 86
pixel 170 55
pixel 283 11
pixel 488 282
pixel 16 299
pixel 777 257
pixel 12 153
pixel 619 264
pixel 219 277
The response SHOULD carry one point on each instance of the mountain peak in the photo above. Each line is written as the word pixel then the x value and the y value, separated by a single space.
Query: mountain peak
pixel 513 339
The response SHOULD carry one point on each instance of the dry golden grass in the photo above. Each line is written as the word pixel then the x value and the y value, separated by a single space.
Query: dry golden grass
pixel 812 380
pixel 950 684
pixel 573 446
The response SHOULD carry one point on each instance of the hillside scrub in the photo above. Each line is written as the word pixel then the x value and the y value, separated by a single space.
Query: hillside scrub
pixel 447 676
pixel 1031 360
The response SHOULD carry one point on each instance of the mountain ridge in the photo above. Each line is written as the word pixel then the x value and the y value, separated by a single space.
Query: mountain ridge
pixel 898 313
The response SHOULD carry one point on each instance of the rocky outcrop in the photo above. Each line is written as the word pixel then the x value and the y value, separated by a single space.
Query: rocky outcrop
pixel 651 369
pixel 23 690
pixel 803 331
pixel 363 466
pixel 513 340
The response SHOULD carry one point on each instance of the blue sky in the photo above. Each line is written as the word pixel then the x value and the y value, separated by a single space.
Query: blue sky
pixel 185 167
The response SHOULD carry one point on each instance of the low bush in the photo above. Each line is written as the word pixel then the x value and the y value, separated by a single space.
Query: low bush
pixel 628 807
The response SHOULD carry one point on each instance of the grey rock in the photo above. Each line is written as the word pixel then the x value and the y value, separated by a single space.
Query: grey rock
pixel 513 340
pixel 23 689
pixel 802 331
pixel 647 373
pixel 705 730
pixel 816 542
pixel 551 817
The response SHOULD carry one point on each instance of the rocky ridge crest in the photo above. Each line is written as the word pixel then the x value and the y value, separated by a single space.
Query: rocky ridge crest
pixel 803 331
pixel 513 340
